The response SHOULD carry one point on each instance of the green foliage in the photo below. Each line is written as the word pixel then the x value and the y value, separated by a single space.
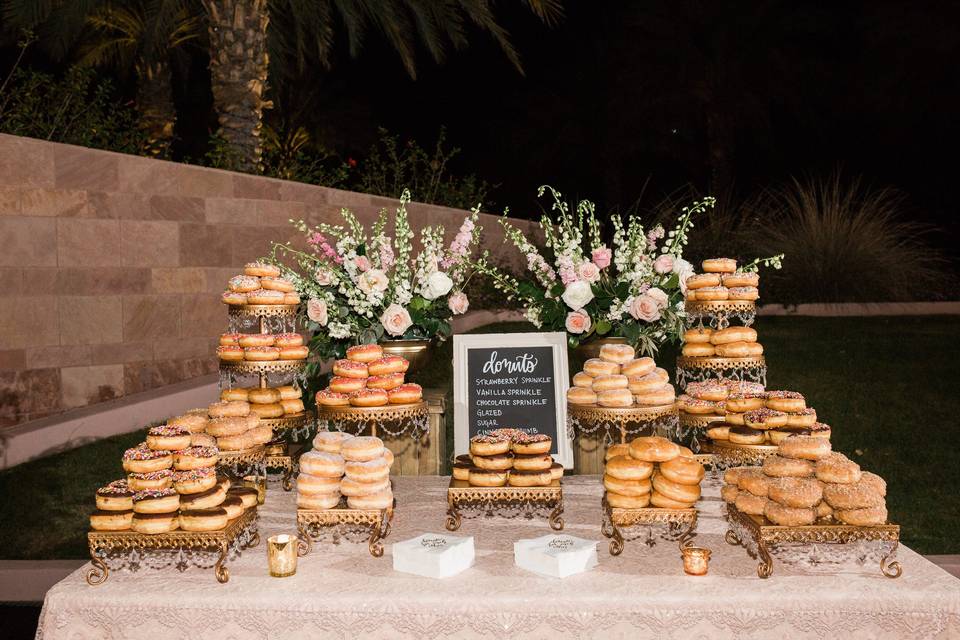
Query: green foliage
pixel 292 155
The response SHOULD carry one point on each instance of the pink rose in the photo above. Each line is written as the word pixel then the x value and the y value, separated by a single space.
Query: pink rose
pixel 323 277
pixel 601 257
pixel 317 310
pixel 578 321
pixel 362 263
pixel 663 264
pixel 396 320
pixel 589 272
pixel 645 308
pixel 458 303
pixel 659 296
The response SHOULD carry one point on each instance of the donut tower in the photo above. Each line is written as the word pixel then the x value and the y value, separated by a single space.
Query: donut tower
pixel 368 378
pixel 508 457
pixel 651 471
pixel 342 465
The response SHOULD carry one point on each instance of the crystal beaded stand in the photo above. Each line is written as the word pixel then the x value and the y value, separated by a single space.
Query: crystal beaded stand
pixel 621 422
pixel 504 502
pixel 264 318
pixel 343 523
pixel 717 313
pixel 701 368
pixel 394 420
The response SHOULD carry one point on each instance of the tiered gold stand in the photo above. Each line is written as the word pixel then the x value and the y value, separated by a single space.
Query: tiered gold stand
pixel 342 523
pixel 266 318
pixel 726 454
pixel 593 427
pixel 128 549
pixel 693 428
pixel 507 502
pixel 717 313
pixel 237 465
pixel 700 368
pixel 758 535
pixel 675 525
pixel 394 420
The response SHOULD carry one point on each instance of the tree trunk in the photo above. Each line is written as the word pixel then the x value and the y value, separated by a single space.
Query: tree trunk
pixel 155 104
pixel 238 75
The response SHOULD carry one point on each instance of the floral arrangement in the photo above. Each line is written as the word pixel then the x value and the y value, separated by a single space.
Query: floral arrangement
pixel 361 288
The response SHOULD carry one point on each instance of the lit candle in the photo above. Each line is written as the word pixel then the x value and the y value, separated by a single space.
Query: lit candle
pixel 282 555
pixel 695 560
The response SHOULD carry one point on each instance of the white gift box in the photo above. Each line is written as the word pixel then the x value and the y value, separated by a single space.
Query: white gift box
pixel 557 556
pixel 433 555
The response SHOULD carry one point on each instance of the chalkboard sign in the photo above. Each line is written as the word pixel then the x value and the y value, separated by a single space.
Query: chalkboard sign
pixel 514 380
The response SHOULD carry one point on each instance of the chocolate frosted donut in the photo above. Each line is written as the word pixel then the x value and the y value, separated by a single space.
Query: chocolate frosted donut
pixel 487 477
pixel 498 462
pixel 746 435
pixel 530 478
pixel 111 520
pixel 203 519
pixel 210 498
pixel 154 523
pixel 116 496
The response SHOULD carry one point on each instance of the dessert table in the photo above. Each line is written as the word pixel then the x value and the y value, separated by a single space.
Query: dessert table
pixel 342 591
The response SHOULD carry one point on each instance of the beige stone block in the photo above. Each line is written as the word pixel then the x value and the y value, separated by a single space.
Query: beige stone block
pixel 179 280
pixel 183 348
pixel 184 208
pixel 91 319
pixel 89 169
pixel 26 162
pixel 123 352
pixel 205 245
pixel 150 243
pixel 112 204
pixel 147 176
pixel 329 213
pixel 89 281
pixel 232 211
pixel 217 277
pixel 147 318
pixel 9 201
pixel 83 386
pixel 202 315
pixel 196 367
pixel 150 375
pixel 88 242
pixel 28 242
pixel 300 192
pixel 57 356
pixel 39 281
pixel 31 321
pixel 203 182
pixel 256 187
pixel 251 243
pixel 350 199
pixel 13 360
pixel 64 203
pixel 28 395
pixel 279 214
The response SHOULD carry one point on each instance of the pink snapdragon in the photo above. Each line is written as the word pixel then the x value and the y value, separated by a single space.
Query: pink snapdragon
pixel 538 265
pixel 386 256
pixel 362 263
pixel 653 235
pixel 602 257
pixel 568 272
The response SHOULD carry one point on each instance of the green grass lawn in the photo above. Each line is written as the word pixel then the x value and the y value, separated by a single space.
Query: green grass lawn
pixel 887 386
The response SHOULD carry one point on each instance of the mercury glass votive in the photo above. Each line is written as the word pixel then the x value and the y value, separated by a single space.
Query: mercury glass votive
pixel 695 560
pixel 282 555
pixel 260 484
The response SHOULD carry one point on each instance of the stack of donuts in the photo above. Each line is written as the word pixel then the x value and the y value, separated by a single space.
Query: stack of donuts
pixel 357 468
pixel 236 426
pixel 754 416
pixel 258 347
pixel 732 342
pixel 508 457
pixel 651 471
pixel 269 402
pixel 619 379
pixel 806 482
pixel 260 283
pixel 367 378
pixel 721 281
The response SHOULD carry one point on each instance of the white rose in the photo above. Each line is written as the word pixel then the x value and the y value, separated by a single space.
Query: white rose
pixel 317 310
pixel 396 320
pixel 659 295
pixel 373 280
pixel 438 284
pixel 578 294
pixel 684 270
pixel 323 277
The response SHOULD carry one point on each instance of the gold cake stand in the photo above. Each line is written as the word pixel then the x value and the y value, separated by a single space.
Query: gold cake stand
pixel 675 525
pixel 718 313
pixel 267 318
pixel 184 548
pixel 694 426
pixel 343 523
pixel 587 419
pixel 758 535
pixel 231 371
pixel 507 502
pixel 394 420
pixel 247 462
pixel 700 368
pixel 726 454
pixel 278 455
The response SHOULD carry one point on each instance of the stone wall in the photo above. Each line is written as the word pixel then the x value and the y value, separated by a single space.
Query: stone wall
pixel 113 266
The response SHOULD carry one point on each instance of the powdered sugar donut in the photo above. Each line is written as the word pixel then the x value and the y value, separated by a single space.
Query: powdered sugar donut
pixel 321 463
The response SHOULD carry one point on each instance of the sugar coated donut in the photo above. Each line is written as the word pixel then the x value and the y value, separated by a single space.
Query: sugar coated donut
pixel 748 503
pixel 321 463
pixel 276 284
pixel 532 462
pixel 741 279
pixel 194 480
pixel 193 423
pixel 729 493
pixel 292 406
pixel 719 265
pixel 387 382
pixel 228 409
pixel 779 467
pixel 111 520
pixel 661 501
pixel 823 510
pixel 256 340
pixel 697 335
pixel 154 523
pixel 583 380
pixel 868 492
pixel 746 435
pixel 368 471
pixel 743 293
pixel 261 269
pixel 617 353
pixel 682 470
pixel 243 283
pixel 291 298
pixel 407 393
pixel 702 280
pixel 233 298
pixel 489 445
pixel 732 475
pixel 350 369
pixel 142 459
pixel 212 497
pixel 339 384
pixel 167 438
pixel 765 418
pixel 365 353
pixel 754 481
pixel 531 443
pixel 621 501
pixel 352 487
pixel 608 382
pixel 362 448
pixel 220 427
pixel 646 383
pixel 156 501
pixel 330 441
pixel 711 390
pixel 263 396
pixel 638 367
pixel 739 349
pixel 865 517
pixel 116 496
pixel 698 349
pixel 369 398
pixel 786 401
pixel 596 367
pixel 615 450
pixel 487 477
pixel 615 398
pixel 541 478
pixel 662 396
pixel 734 334
pixel 388 364
pixel 805 447
pixel 288 392
pixel 203 519
pixel 318 501
pixel 265 296
pixel 836 468
pixel 653 449
pixel 381 500
pixel 202 440
pixel 787 516
pixel 688 493
pixel 580 395
pixel 628 468
pixel 800 493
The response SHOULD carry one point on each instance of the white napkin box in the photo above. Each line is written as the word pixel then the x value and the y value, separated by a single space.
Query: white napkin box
pixel 433 555
pixel 557 556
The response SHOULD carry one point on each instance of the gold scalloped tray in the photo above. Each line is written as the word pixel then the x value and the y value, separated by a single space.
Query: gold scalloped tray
pixel 287 422
pixel 252 454
pixel 698 420
pixel 725 445
pixel 714 306
pixel 386 412
pixel 717 362
pixel 263 310
pixel 262 366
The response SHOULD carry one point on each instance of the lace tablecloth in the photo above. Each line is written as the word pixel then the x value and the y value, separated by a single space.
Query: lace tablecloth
pixel 342 591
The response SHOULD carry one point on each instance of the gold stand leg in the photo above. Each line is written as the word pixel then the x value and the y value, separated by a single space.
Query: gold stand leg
pixel 889 566
pixel 376 534
pixel 220 569
pixel 556 521
pixel 453 518
pixel 686 538
pixel 254 540
pixel 304 543
pixel 99 573
pixel 731 537
pixel 616 544
pixel 287 483
pixel 765 568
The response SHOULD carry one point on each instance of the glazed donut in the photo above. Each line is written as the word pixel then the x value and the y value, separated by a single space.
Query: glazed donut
pixel 195 458
pixel 116 496
pixel 330 441
pixel 742 402
pixel 609 382
pixel 369 398
pixel 461 471
pixel 232 408
pixel 365 353
pixel 746 435
pixel 638 367
pixel 320 463
pixel 382 500
pixel 239 393
pixel 688 493
pixel 362 448
pixel 233 298
pixel 263 396
pixel 408 393
pixel 203 519
pixel 355 488
pixel 739 349
pixel 202 440
pixel 541 478
pixel 719 265
pixel 154 523
pixel 780 434
pixel 248 495
pixel 580 395
pixel 596 367
pixel 779 467
pixel 531 444
pixel 294 353
pixel 741 279
pixel 805 447
pixel 786 401
pixel 800 493
pixel 824 510
pixel 746 502
pixel 291 298
pixel 256 340
pixel 261 269
pixel 661 501
pixel 220 427
pixel 292 406
pixel 743 293
pixel 261 354
pixel 329 398
pixel 276 284
pixel 697 349
pixel 754 481
pixel 701 280
pixel 865 517
pixel 708 390
pixel 487 478
pixel 734 334
pixel 156 501
pixel 318 501
pixel 243 284
pixel 868 492
pixel 195 480
pixel 645 384
pixel 265 296
pixel 682 470
pixel 498 462
pixel 721 432
pixel 388 364
pixel 488 446
pixel 620 501
pixel 347 385
pixel 653 449
pixel 836 468
pixel 227 339
pixel 699 407
pixel 583 380
pixel 350 369
pixel 141 459
pixel 820 430
pixel 765 419
pixel 532 462
pixel 661 396
pixel 230 353
pixel 212 497
pixel 369 471
pixel 617 353
pixel 786 516
pixel 628 468
pixel 734 418
pixel 288 392
pixel 712 293
pixel 111 520
pixel 615 398
pixel 234 443
pixel 387 382
pixel 697 335
pixel 805 418
pixel 729 492
pixel 556 471
pixel 615 450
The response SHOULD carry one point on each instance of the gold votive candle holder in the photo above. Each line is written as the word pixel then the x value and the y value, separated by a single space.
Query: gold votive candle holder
pixel 282 555
pixel 276 449
pixel 260 484
pixel 696 560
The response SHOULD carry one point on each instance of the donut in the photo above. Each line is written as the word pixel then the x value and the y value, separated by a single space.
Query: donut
pixel 167 438
pixel 408 393
pixel 779 467
pixel 787 516
pixel 697 335
pixel 581 395
pixel 702 280
pixel 836 468
pixel 628 468
pixel 292 406
pixel 688 493
pixel 276 284
pixel 288 340
pixel 729 492
pixel 352 487
pixel 583 380
pixel 541 478
pixel 380 501
pixel 532 462
pixel 220 427
pixel 387 382
pixel 498 462
pixel 203 519
pixel 195 480
pixel 362 448
pixel 340 384
pixel 233 298
pixel 154 523
pixel 232 408
pixel 746 435
pixel 230 353
pixel 238 442
pixel 288 392
pixel 556 471
pixel 805 447
pixel 488 445
pixel 721 432
pixel 801 493
pixel 734 334
pixel 615 398
pixel 699 407
pixel 532 444
pixel 617 353
pixel 805 418
pixel 765 418
pixel 202 440
pixel 260 435
pixel 865 517
pixel 653 449
pixel 609 382
pixel 732 475
pixel 388 364
pixel 691 295
pixel 754 481
pixel 369 471
pixel 734 419
pixel 869 491
pixel 261 354
pixel 256 340
pixel 192 423
pixel 743 293
pixel 638 367
pixel 116 496
pixel 141 459
pixel 596 367
pixel 265 296
pixel 615 450
pixel 682 470
pixel 212 497
pixel 738 402
pixel 261 269
pixel 156 501
pixel 330 441
pixel 744 387
pixel 719 265
pixel 263 396
pixel 365 353
pixel 111 519
pixel 294 353
pixel 323 464
pixel 243 284
pixel 318 501
pixel 620 501
pixel 461 471
pixel 741 279
pixel 739 349
pixel 369 398
pixel 712 293
pixel 291 298
pixel 248 495
pixel 698 349
pixel 350 369
pixel 487 478
pixel 750 504
pixel 649 382
pixel 195 458
pixel 824 510
pixel 820 430
pixel 708 390
pixel 786 401
pixel 777 436
pixel 661 501
pixel 329 398
pixel 657 397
